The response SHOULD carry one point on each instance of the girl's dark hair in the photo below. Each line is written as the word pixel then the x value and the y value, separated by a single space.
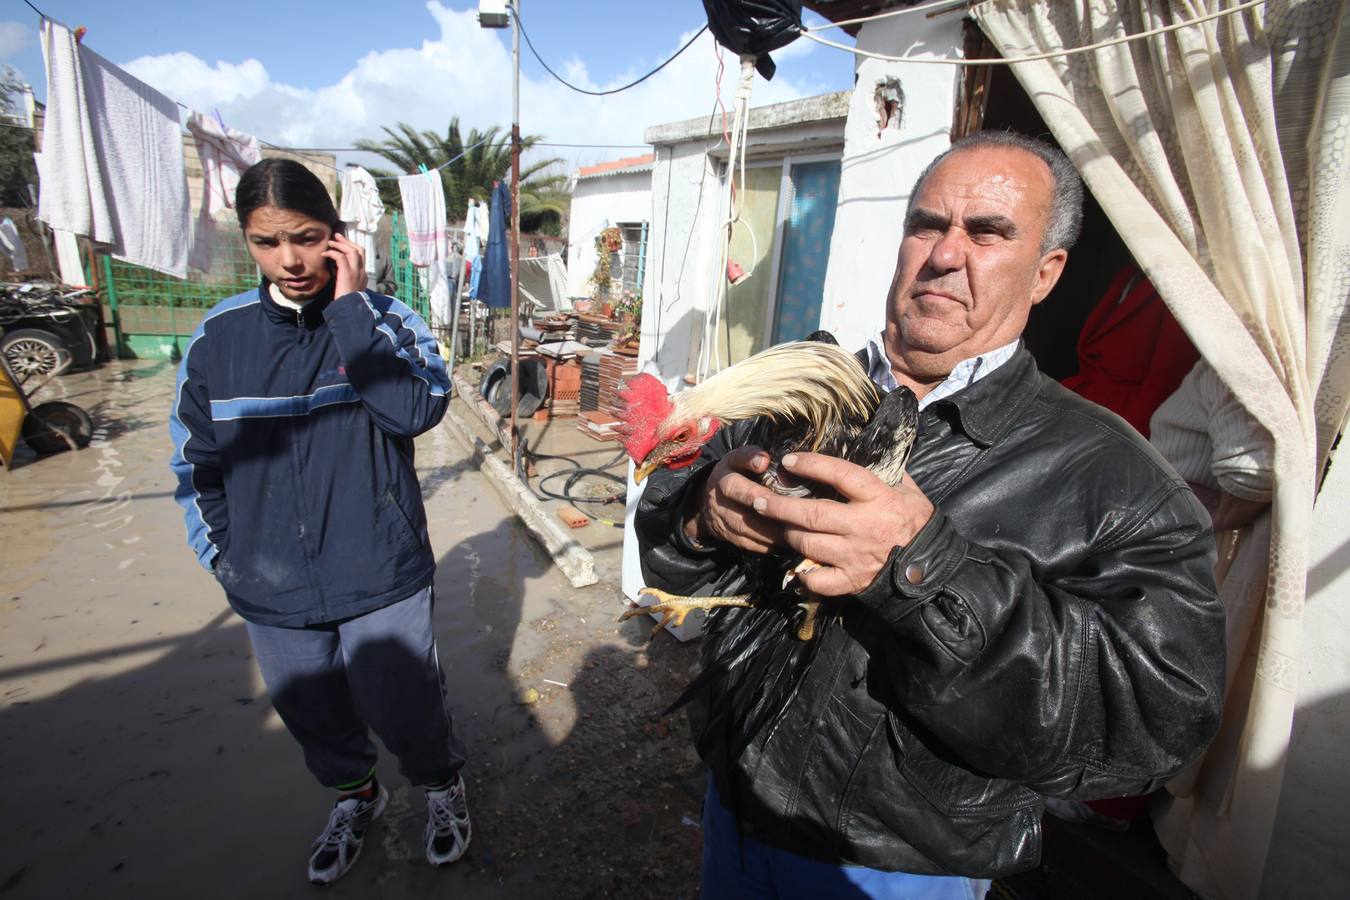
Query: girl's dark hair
pixel 285 184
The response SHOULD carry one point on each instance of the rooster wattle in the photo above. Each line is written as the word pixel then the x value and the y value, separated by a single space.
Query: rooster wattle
pixel 806 396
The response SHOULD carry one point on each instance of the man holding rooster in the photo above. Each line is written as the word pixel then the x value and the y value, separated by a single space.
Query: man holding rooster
pixel 1029 613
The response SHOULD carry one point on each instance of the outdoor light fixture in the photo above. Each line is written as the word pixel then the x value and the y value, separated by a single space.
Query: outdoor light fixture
pixel 735 274
pixel 492 14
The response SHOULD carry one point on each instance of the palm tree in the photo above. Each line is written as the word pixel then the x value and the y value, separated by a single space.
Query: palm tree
pixel 472 174
pixel 544 204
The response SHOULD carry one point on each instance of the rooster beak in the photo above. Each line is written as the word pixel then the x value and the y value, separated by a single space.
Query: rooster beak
pixel 641 472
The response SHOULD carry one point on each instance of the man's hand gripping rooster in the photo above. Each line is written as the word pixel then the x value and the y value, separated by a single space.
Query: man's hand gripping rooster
pixel 821 484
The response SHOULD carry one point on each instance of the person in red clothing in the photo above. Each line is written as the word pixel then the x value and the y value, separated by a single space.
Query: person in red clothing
pixel 1132 354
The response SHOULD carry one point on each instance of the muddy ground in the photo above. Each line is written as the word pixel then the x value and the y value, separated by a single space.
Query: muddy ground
pixel 142 757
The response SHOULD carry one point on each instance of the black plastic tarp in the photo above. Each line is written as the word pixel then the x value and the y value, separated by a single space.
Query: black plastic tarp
pixel 755 27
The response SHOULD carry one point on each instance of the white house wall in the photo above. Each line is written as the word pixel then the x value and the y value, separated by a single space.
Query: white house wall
pixel 683 249
pixel 597 203
pixel 879 170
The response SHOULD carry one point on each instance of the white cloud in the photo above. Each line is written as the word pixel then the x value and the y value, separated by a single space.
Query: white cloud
pixel 795 50
pixel 14 39
pixel 190 80
pixel 464 71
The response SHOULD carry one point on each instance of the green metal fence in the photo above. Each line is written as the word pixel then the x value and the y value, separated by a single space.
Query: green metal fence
pixel 153 315
pixel 410 287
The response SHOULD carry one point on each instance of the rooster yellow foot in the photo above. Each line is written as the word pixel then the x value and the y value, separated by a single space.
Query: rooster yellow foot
pixel 674 609
pixel 806 628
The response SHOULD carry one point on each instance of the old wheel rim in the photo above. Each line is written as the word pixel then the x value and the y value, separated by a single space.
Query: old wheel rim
pixel 33 357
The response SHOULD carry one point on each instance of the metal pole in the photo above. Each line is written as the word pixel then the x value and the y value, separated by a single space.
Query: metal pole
pixel 112 303
pixel 515 226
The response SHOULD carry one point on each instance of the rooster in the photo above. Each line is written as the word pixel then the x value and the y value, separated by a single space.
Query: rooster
pixel 807 396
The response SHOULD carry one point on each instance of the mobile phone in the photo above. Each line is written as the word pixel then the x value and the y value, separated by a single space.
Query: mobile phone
pixel 338 228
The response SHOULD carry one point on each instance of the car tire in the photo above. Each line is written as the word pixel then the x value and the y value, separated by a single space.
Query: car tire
pixel 57 425
pixel 33 352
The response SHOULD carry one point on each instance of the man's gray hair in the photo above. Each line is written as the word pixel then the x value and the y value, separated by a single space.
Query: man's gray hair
pixel 1066 212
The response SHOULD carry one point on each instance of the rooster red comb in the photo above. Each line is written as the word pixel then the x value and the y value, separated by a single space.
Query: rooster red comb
pixel 646 404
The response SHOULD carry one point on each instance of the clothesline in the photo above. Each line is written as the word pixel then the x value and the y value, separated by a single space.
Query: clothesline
pixel 1054 54
pixel 455 158
pixel 299 152
pixel 535 144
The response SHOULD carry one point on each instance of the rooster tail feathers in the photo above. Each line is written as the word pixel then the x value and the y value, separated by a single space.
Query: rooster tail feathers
pixel 821 336
pixel 885 443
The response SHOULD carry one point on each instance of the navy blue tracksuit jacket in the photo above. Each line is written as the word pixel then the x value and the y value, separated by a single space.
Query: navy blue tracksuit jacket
pixel 293 446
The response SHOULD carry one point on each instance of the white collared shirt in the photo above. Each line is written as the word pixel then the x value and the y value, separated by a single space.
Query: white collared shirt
pixel 963 375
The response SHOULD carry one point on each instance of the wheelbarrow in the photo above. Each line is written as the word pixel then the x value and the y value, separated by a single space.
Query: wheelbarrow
pixel 47 428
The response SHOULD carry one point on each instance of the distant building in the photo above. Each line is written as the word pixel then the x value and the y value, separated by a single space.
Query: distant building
pixel 782 239
pixel 615 193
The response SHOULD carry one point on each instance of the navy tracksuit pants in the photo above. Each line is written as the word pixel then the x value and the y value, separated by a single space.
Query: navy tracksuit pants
pixel 332 683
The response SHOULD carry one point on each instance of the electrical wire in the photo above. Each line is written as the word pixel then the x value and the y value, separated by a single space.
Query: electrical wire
pixel 740 129
pixel 580 90
pixel 1034 57
pixel 604 146
pixel 661 273
pixel 709 147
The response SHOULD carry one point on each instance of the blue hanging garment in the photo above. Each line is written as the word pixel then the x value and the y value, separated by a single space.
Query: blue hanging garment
pixel 494 287
pixel 476 276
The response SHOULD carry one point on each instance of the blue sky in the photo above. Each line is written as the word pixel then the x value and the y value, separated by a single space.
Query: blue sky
pixel 325 75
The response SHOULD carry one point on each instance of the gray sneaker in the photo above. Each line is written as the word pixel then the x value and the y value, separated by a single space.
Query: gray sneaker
pixel 338 846
pixel 448 825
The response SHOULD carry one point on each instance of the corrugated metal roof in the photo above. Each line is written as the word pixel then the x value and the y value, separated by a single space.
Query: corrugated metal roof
pixel 625 165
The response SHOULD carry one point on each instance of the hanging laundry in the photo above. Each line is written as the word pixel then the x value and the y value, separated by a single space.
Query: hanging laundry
pixel 224 154
pixel 11 242
pixel 424 209
pixel 472 236
pixel 361 210
pixel 494 288
pixel 475 277
pixel 485 219
pixel 113 148
pixel 440 299
pixel 69 260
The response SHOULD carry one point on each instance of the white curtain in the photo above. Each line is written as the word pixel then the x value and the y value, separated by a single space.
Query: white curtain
pixel 1219 151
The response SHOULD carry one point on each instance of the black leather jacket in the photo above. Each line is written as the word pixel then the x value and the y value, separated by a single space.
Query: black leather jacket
pixel 1053 631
